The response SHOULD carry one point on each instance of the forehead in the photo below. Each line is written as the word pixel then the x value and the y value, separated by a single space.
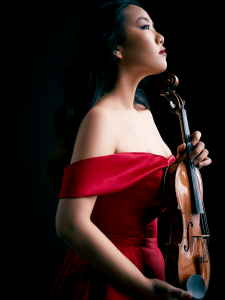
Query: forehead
pixel 133 13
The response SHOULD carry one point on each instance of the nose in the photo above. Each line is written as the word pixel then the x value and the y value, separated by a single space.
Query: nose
pixel 160 38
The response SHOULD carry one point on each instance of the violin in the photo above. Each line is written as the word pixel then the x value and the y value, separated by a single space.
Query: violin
pixel 187 263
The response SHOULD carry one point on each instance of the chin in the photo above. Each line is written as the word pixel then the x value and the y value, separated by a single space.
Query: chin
pixel 162 69
pixel 158 71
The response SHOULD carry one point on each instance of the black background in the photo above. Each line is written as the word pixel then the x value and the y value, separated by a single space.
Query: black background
pixel 39 36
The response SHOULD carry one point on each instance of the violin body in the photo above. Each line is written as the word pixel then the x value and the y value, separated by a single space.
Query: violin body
pixel 187 263
pixel 186 250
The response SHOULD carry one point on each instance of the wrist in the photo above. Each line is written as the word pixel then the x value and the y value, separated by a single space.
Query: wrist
pixel 146 287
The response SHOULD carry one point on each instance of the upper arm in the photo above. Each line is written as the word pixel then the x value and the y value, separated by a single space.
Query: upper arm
pixel 96 137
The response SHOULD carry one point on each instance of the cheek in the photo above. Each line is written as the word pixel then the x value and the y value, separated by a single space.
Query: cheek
pixel 140 50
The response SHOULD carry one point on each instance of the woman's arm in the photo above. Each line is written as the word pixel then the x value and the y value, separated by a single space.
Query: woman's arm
pixel 85 239
pixel 97 136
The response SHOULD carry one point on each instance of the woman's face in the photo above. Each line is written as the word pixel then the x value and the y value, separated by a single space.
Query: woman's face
pixel 140 51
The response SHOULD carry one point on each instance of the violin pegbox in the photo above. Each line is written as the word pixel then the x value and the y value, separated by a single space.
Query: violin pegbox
pixel 166 85
pixel 172 105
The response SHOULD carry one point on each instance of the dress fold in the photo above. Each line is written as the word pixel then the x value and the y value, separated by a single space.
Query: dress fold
pixel 108 174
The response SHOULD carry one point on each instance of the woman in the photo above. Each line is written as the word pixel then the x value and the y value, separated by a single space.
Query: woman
pixel 111 182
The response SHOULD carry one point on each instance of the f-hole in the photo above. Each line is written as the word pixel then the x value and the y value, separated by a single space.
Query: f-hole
pixel 186 248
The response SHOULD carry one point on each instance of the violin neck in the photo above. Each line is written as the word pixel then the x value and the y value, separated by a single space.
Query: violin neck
pixel 185 131
pixel 191 168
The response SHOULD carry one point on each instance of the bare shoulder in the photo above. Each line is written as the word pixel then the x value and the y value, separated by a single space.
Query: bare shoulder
pixel 97 135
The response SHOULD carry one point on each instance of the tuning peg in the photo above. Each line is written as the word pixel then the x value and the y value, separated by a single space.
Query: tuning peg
pixel 172 104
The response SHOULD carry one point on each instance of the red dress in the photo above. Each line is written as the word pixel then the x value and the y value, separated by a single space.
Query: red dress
pixel 129 190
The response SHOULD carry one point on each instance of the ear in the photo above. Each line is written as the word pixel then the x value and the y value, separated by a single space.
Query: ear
pixel 117 53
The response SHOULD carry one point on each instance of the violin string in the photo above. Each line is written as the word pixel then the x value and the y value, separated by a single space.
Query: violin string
pixel 190 164
pixel 203 219
pixel 202 216
pixel 205 222
pixel 197 194
pixel 192 169
pixel 207 228
pixel 195 185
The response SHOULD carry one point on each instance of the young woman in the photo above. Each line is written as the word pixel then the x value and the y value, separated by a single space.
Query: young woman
pixel 109 161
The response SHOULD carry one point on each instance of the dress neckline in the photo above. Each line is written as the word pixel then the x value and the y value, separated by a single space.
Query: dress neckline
pixel 143 153
pixel 120 153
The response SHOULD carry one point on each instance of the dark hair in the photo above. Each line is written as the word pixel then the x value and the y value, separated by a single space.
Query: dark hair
pixel 91 72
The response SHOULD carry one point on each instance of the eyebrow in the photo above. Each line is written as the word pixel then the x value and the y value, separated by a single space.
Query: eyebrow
pixel 146 19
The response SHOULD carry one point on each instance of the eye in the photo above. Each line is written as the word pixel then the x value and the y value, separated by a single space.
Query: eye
pixel 143 27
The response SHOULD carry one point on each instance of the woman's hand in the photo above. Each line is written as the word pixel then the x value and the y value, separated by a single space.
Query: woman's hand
pixel 199 155
pixel 161 290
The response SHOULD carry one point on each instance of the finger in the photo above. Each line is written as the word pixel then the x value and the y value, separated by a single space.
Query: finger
pixel 207 161
pixel 195 136
pixel 200 157
pixel 180 294
pixel 182 158
pixel 172 292
pixel 180 150
pixel 167 291
pixel 198 149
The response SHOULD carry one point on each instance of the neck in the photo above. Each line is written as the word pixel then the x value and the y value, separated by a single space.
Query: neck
pixel 122 97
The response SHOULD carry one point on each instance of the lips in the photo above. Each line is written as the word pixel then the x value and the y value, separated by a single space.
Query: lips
pixel 162 51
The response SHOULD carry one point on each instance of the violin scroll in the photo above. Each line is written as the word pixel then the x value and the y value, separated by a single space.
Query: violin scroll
pixel 166 84
pixel 168 81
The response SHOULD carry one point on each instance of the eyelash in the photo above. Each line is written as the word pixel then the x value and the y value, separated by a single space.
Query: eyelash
pixel 145 26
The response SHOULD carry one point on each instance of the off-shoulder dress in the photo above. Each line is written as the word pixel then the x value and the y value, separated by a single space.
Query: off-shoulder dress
pixel 129 193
